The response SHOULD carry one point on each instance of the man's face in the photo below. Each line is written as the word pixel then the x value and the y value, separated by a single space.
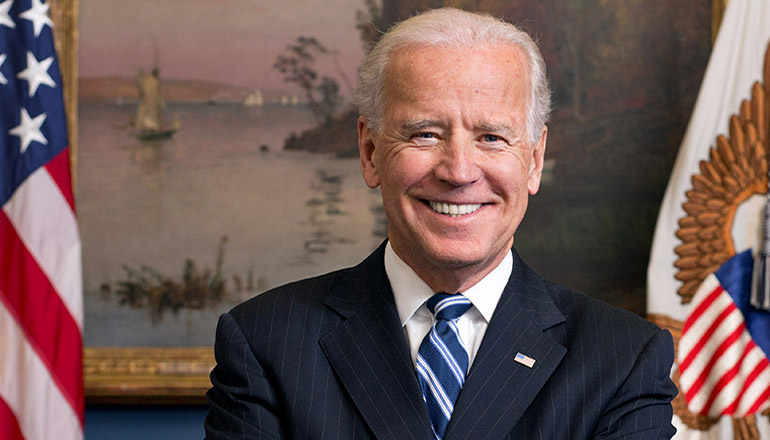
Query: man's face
pixel 453 158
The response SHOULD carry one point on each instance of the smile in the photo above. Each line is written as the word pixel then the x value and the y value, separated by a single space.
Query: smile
pixel 452 209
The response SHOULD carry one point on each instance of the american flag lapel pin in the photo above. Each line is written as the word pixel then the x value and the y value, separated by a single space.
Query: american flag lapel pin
pixel 525 360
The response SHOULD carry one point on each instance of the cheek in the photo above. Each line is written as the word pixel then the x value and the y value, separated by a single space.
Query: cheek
pixel 510 177
pixel 405 171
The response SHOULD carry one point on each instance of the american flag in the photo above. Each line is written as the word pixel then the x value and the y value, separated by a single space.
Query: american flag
pixel 723 352
pixel 41 310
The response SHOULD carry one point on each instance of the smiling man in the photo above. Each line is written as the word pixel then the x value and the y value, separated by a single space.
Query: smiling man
pixel 454 158
pixel 443 332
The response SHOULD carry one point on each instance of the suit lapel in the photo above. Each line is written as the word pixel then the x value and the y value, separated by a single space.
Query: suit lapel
pixel 369 354
pixel 498 389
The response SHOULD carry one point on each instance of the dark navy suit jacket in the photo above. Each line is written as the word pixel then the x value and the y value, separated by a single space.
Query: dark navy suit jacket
pixel 326 358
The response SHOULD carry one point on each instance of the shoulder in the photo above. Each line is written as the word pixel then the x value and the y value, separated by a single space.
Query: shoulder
pixel 586 311
pixel 590 314
pixel 595 326
pixel 582 314
pixel 283 301
pixel 279 324
pixel 307 298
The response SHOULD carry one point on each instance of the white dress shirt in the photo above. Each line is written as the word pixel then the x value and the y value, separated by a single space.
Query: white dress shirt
pixel 410 293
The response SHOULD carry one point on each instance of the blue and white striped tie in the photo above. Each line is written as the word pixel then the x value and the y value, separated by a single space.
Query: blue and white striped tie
pixel 442 360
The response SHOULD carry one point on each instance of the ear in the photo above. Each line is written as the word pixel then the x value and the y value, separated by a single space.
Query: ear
pixel 536 166
pixel 366 150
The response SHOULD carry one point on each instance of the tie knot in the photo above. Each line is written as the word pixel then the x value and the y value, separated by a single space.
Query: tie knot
pixel 449 307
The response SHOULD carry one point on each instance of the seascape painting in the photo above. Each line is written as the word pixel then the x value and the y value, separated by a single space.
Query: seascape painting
pixel 217 152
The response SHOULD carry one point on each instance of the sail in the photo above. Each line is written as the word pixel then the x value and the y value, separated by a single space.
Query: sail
pixel 149 114
pixel 254 99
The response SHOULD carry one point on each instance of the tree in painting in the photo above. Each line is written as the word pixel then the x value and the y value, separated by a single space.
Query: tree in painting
pixel 322 93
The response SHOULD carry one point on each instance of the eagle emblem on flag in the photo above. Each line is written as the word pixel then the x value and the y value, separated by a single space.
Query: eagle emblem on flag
pixel 723 347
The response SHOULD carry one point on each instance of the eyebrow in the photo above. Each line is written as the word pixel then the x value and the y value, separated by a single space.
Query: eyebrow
pixel 418 124
pixel 412 125
pixel 495 128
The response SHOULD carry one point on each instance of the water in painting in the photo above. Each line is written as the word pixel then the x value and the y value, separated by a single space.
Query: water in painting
pixel 221 188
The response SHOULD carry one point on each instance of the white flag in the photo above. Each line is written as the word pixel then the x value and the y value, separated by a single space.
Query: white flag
pixel 736 64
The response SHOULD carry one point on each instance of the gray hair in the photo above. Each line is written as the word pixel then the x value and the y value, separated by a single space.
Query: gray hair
pixel 451 28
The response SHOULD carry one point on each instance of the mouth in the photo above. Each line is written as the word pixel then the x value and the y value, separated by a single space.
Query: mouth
pixel 452 209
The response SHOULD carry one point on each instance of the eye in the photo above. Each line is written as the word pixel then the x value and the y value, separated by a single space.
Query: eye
pixel 491 138
pixel 425 138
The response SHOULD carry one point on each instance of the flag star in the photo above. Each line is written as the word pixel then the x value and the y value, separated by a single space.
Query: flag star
pixel 29 130
pixel 5 18
pixel 38 15
pixel 3 80
pixel 36 73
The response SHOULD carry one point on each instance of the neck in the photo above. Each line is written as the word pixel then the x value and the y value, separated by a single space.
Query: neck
pixel 452 279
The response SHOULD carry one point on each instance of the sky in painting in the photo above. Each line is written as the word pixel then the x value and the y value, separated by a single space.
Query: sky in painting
pixel 234 42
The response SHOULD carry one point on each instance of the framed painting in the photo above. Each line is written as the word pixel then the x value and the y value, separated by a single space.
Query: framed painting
pixel 211 166
pixel 207 173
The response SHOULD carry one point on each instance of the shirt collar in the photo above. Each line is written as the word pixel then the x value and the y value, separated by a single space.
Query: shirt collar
pixel 410 291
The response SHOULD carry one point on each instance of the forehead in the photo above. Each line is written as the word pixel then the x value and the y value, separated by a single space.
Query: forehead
pixel 496 74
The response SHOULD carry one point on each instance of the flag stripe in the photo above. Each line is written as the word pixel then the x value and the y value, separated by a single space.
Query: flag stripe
pixel 702 351
pixel 695 328
pixel 28 389
pixel 47 226
pixel 749 389
pixel 41 314
pixel 761 401
pixel 723 324
pixel 701 307
pixel 41 285
pixel 59 169
pixel 726 382
pixel 752 389
pixel 9 427
pixel 712 374
pixel 723 371
pixel 716 357
pixel 745 391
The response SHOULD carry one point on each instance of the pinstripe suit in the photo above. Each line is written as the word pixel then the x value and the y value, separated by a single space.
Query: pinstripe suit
pixel 326 358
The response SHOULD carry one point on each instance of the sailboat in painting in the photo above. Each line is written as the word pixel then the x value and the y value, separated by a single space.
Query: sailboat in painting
pixel 254 99
pixel 148 120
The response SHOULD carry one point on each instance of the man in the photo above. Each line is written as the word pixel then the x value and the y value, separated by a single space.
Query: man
pixel 452 129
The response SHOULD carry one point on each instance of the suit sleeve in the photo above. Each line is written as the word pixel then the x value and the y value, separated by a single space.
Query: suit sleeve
pixel 641 408
pixel 243 403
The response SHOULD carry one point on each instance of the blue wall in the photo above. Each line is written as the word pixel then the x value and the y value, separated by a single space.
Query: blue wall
pixel 132 422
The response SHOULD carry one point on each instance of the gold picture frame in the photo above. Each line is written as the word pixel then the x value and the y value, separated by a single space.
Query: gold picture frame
pixel 142 375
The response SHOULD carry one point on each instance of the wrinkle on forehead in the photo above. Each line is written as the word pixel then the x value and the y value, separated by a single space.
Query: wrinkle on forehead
pixel 431 85
pixel 509 55
pixel 509 61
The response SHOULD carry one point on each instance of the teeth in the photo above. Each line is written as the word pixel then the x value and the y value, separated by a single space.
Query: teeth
pixel 454 210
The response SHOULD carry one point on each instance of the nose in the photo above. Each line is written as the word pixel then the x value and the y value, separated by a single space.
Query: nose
pixel 457 164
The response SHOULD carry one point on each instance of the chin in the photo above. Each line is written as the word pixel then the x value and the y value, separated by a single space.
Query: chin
pixel 456 255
